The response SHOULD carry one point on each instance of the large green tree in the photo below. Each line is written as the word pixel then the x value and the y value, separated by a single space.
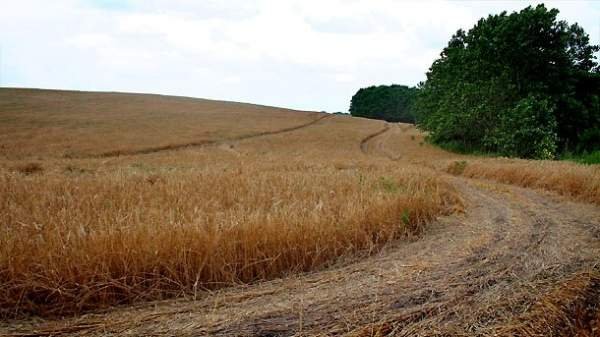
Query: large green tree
pixel 521 84
pixel 392 103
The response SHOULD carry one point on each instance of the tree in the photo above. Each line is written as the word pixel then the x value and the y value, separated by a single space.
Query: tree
pixel 392 103
pixel 526 70
pixel 531 122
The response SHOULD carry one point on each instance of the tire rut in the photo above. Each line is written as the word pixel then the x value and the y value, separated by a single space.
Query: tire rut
pixel 172 147
pixel 374 144
pixel 364 143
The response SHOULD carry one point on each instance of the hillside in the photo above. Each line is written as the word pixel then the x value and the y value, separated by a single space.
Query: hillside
pixel 128 214
pixel 52 123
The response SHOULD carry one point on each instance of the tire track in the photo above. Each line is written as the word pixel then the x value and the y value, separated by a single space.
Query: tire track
pixel 529 259
pixel 172 147
pixel 374 144
pixel 364 143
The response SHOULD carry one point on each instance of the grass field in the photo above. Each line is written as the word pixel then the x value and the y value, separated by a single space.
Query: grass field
pixel 110 199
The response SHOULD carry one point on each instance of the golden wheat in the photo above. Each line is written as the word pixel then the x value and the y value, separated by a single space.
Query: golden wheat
pixel 579 182
pixel 48 124
pixel 117 223
pixel 85 233
pixel 91 241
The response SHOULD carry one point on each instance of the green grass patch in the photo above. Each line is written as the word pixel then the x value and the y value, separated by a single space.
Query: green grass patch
pixel 589 158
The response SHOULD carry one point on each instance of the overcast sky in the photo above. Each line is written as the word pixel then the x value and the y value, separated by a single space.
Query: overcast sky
pixel 300 54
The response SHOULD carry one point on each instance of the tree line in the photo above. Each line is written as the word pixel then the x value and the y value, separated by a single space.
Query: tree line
pixel 523 84
pixel 392 103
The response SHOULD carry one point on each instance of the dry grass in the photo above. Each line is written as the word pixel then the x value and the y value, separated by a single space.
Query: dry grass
pixel 89 233
pixel 571 309
pixel 579 182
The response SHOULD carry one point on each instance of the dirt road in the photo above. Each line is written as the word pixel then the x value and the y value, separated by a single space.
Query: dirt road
pixel 517 262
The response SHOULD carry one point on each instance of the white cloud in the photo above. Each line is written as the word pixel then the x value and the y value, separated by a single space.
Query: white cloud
pixel 231 80
pixel 343 77
pixel 303 54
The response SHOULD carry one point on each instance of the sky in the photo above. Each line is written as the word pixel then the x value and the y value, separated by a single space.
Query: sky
pixel 301 54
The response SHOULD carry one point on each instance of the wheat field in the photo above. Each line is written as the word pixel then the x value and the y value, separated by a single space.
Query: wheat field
pixel 57 124
pixel 253 220
pixel 83 231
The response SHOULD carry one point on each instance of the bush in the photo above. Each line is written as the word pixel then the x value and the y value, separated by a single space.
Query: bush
pixel 589 140
pixel 528 130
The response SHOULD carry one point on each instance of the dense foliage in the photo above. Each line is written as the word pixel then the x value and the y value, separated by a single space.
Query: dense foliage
pixel 522 84
pixel 392 103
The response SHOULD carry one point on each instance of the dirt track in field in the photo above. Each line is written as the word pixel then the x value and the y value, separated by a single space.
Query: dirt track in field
pixel 375 144
pixel 517 262
pixel 373 141
pixel 172 147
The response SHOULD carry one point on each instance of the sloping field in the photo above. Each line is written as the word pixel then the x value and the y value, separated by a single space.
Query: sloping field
pixel 262 225
pixel 44 123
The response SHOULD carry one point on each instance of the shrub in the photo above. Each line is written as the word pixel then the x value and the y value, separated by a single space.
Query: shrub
pixel 528 130
pixel 589 140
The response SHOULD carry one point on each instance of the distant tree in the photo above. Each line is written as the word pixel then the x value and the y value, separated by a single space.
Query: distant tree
pixel 523 84
pixel 392 103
